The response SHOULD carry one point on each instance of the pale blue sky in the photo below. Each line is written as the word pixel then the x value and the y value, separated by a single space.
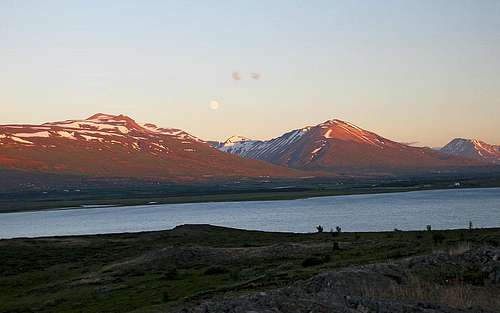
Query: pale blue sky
pixel 423 71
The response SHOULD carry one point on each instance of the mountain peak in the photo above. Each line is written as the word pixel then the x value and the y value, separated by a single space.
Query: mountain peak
pixel 342 130
pixel 122 123
pixel 473 148
pixel 461 142
pixel 338 122
pixel 235 139
pixel 334 121
pixel 103 117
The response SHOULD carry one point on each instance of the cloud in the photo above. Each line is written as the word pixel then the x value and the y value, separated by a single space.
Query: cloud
pixel 236 75
pixel 412 143
pixel 255 76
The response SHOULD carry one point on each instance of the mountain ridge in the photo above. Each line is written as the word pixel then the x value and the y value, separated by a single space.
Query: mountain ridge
pixel 106 145
pixel 339 146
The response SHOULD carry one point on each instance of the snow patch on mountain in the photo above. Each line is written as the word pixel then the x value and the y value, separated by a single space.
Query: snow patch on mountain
pixel 178 133
pixel 316 150
pixel 99 129
pixel 66 134
pixel 42 134
pixel 91 125
pixel 245 147
pixel 89 138
pixel 19 140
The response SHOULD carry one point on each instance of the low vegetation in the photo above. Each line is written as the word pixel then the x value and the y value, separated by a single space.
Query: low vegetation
pixel 162 271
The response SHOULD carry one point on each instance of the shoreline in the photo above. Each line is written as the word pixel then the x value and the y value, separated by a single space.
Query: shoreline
pixel 291 233
pixel 37 206
pixel 163 217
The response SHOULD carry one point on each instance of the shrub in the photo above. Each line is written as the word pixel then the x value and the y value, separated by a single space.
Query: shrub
pixel 319 228
pixel 438 238
pixel 235 274
pixel 460 248
pixel 171 274
pixel 335 246
pixel 136 272
pixel 474 276
pixel 313 261
pixel 216 270
pixel 165 297
pixel 493 242
pixel 462 236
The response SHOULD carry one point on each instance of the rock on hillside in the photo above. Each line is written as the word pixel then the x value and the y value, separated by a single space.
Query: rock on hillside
pixel 440 283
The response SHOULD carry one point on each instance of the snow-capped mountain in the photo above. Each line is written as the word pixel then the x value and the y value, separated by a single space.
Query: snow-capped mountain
pixel 106 145
pixel 473 148
pixel 257 149
pixel 339 146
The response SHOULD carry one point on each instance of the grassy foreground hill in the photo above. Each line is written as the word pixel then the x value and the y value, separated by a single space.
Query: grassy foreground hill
pixel 192 267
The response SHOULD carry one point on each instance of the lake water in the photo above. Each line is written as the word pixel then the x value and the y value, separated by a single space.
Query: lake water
pixel 443 209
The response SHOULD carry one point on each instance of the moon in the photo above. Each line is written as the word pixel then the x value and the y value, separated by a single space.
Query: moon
pixel 214 104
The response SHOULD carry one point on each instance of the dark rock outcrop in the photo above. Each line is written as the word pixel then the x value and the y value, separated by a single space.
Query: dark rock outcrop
pixel 439 283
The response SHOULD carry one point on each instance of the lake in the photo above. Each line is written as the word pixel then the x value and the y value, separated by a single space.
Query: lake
pixel 443 209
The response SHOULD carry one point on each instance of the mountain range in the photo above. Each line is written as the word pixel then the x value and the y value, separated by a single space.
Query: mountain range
pixel 115 146
pixel 338 146
pixel 106 145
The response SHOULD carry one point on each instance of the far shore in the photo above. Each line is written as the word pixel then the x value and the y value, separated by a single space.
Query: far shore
pixel 273 195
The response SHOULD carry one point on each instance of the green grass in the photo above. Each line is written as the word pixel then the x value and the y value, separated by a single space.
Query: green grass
pixel 154 271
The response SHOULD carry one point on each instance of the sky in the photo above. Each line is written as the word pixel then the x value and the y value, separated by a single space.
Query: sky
pixel 422 71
